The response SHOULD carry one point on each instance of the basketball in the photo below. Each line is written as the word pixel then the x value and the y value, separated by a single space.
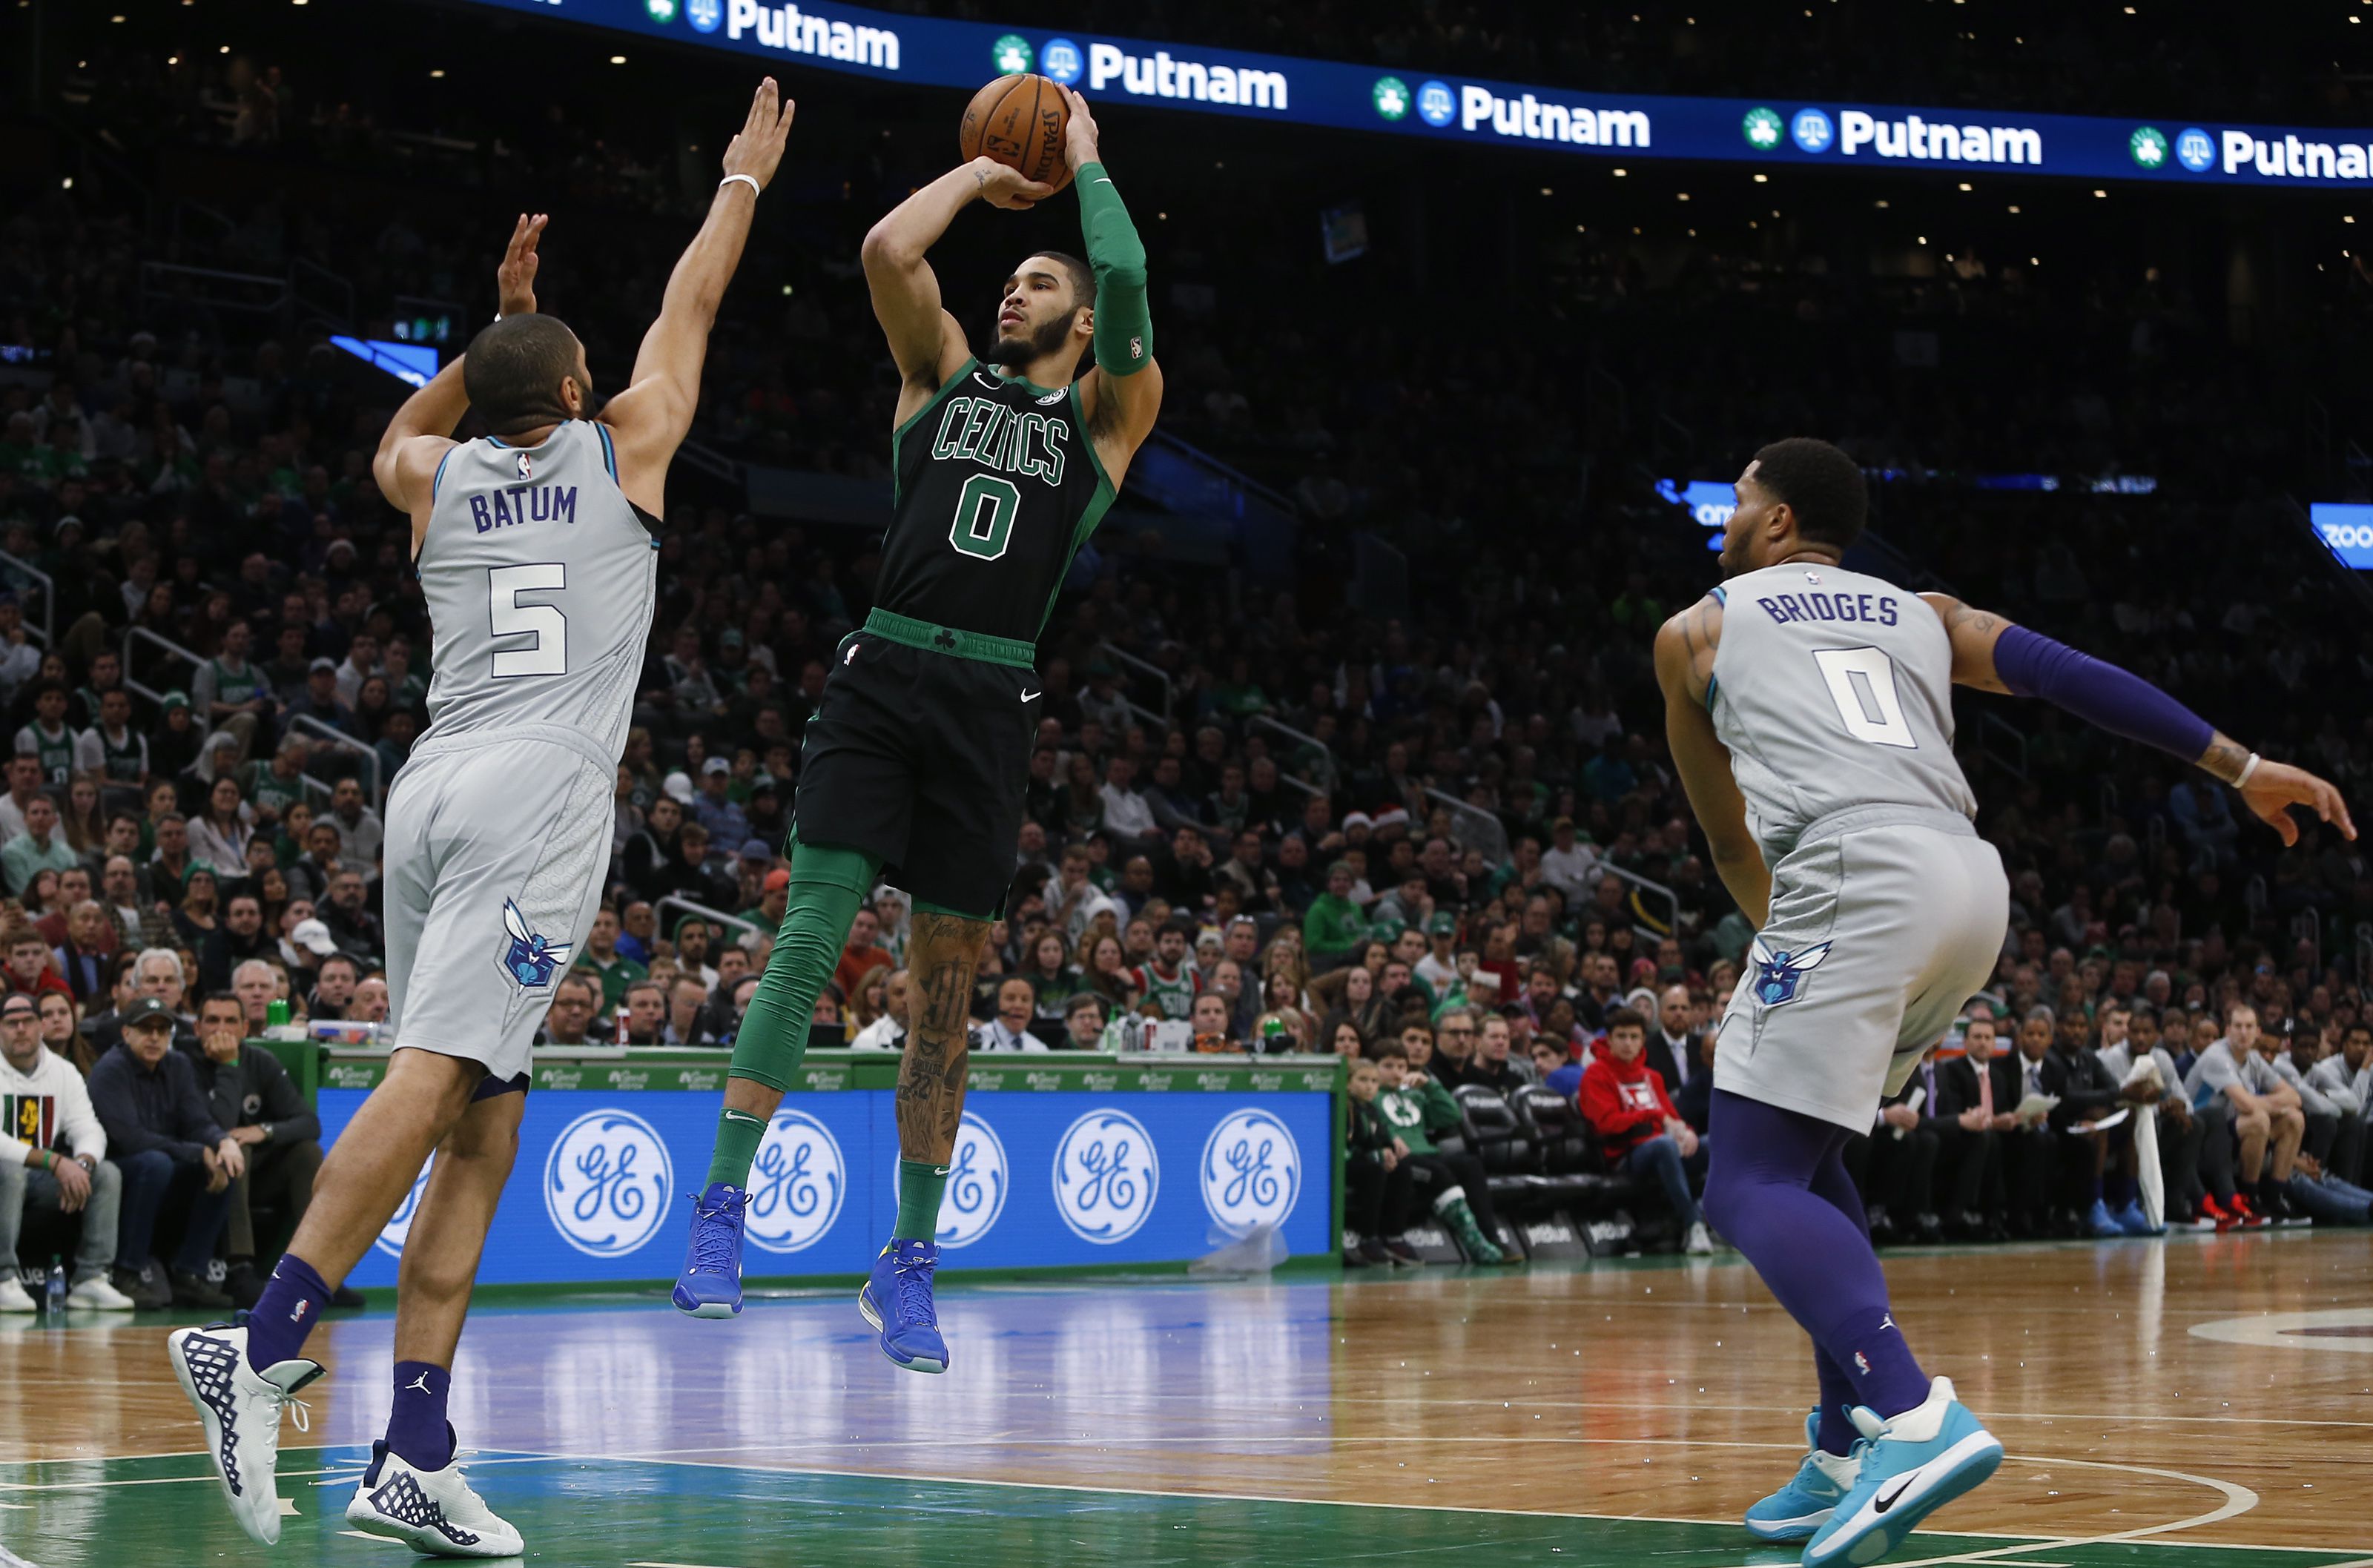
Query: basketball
pixel 1019 120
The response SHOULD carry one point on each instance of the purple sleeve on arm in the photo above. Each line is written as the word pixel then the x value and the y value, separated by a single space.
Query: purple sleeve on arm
pixel 2101 694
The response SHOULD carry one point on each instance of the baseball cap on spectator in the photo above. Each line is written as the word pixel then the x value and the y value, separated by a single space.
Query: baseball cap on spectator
pixel 1358 819
pixel 314 938
pixel 757 849
pixel 716 765
pixel 777 880
pixel 62 524
pixel 174 700
pixel 318 664
pixel 677 787
pixel 729 638
pixel 1208 939
pixel 1386 930
pixel 1389 819
pixel 1444 924
pixel 148 1012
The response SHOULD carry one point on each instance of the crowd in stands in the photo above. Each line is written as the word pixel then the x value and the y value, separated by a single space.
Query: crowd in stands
pixel 1429 827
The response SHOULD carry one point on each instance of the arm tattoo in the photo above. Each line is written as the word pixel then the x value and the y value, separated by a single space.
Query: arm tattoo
pixel 942 954
pixel 1976 620
pixel 2224 758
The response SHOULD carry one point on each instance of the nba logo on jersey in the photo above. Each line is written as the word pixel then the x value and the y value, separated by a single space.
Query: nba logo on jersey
pixel 1777 974
pixel 526 469
pixel 529 960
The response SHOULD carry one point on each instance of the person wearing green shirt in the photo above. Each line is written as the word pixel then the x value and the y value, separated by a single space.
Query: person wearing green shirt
pixel 602 960
pixel 1334 925
pixel 1418 1110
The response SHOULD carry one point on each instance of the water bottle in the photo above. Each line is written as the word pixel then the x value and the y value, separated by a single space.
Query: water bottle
pixel 53 1296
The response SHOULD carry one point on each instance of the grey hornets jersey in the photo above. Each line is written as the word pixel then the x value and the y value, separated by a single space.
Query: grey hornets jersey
pixel 540 576
pixel 1833 693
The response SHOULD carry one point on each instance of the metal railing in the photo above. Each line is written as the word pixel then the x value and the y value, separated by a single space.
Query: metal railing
pixel 44 633
pixel 331 736
pixel 678 901
pixel 1334 764
pixel 133 637
pixel 1672 900
pixel 2003 742
pixel 1473 828
pixel 1111 649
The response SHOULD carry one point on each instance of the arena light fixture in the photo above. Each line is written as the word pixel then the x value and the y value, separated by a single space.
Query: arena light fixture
pixel 1965 184
pixel 2102 195
pixel 1765 178
pixel 2014 208
pixel 617 59
pixel 1622 172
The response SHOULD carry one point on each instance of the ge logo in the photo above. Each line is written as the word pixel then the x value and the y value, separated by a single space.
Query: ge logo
pixel 704 14
pixel 1105 1176
pixel 606 1183
pixel 1251 1172
pixel 977 1181
pixel 797 1185
pixel 392 1235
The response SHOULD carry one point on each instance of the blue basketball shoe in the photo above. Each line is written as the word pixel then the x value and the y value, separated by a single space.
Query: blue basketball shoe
pixel 897 1302
pixel 710 1285
pixel 1804 1506
pixel 1912 1465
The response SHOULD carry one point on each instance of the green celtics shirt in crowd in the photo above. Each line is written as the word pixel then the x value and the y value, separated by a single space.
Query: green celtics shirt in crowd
pixel 1333 925
pixel 56 750
pixel 1174 994
pixel 267 791
pixel 997 486
pixel 1416 1112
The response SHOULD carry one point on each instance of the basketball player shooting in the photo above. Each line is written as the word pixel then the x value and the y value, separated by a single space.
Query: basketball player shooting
pixel 537 552
pixel 917 758
pixel 1810 715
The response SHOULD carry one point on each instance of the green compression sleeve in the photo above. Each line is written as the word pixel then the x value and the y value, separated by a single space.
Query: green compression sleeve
pixel 1124 336
pixel 827 885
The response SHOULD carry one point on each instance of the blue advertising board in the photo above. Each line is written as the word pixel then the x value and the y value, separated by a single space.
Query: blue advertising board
pixel 1449 106
pixel 2347 530
pixel 1039 1180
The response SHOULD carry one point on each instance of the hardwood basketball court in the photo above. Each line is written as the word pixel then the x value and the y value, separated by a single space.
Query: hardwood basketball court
pixel 2188 1402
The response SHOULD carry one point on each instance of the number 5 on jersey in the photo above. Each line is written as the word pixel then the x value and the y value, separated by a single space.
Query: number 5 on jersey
pixel 1861 683
pixel 547 652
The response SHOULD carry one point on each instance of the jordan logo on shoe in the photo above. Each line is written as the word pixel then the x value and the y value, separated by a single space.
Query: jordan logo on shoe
pixel 1887 1321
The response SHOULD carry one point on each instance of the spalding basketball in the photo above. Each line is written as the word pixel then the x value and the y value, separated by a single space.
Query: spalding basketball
pixel 1019 120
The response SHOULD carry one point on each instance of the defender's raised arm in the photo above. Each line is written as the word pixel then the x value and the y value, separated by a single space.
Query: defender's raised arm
pixel 653 415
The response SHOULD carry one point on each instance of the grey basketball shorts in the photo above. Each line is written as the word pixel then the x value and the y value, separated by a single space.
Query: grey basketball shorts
pixel 1877 936
pixel 494 852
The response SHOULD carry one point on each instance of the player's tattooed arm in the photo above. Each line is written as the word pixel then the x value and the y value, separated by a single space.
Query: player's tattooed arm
pixel 1973 634
pixel 2269 789
pixel 941 953
pixel 1685 653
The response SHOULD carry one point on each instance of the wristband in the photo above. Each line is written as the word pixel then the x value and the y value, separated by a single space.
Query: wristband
pixel 747 180
pixel 2247 768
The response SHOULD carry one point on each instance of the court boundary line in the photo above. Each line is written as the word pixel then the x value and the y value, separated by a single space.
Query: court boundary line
pixel 2233 1506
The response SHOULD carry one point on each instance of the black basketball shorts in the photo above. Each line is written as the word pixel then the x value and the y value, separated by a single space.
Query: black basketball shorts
pixel 923 759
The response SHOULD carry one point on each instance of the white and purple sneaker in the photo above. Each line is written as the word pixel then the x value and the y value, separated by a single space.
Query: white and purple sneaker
pixel 435 1513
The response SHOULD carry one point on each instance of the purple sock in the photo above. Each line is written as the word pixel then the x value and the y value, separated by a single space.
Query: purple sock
pixel 416 1432
pixel 289 1307
pixel 1837 1433
pixel 1780 1194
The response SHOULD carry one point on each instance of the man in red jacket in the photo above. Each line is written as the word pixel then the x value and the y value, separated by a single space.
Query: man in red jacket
pixel 1638 1130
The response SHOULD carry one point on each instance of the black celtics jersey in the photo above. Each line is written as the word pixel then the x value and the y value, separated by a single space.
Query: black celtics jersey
pixel 997 488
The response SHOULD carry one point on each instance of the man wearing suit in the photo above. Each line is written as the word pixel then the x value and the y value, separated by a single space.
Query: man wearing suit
pixel 1673 1051
pixel 1966 1142
pixel 2096 1167
pixel 1898 1162
pixel 1981 1091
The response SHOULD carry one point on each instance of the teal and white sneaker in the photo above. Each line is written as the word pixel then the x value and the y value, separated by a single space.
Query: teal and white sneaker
pixel 1804 1506
pixel 1911 1465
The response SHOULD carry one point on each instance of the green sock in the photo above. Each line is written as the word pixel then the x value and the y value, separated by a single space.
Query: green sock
pixel 827 885
pixel 739 1134
pixel 920 1187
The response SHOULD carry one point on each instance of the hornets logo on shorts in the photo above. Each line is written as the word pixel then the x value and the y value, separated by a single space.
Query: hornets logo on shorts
pixel 530 960
pixel 1777 974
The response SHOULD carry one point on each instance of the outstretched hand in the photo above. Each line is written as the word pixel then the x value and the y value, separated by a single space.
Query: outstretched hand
pixel 757 148
pixel 2274 787
pixel 515 279
pixel 1079 134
